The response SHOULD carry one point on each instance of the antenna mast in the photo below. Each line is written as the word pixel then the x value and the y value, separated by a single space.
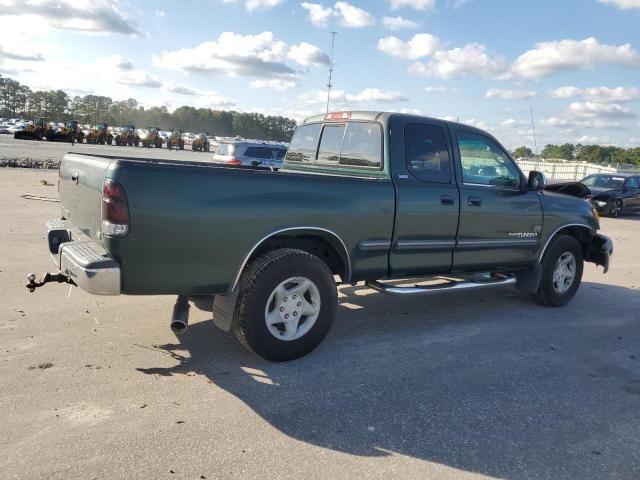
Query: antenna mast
pixel 533 127
pixel 330 84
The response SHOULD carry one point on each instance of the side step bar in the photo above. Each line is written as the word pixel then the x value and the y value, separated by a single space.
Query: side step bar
pixel 450 286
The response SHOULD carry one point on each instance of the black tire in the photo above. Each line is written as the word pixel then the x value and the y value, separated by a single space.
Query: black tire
pixel 617 208
pixel 547 293
pixel 256 286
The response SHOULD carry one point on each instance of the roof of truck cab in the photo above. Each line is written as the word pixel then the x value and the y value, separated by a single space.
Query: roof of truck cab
pixel 373 116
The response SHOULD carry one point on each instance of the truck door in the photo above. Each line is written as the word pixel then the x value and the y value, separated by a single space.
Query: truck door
pixel 427 199
pixel 500 222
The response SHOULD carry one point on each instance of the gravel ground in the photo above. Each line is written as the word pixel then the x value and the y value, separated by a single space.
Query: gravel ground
pixel 47 155
pixel 469 385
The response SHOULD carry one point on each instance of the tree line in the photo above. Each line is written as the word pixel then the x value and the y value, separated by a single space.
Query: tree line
pixel 18 100
pixel 608 155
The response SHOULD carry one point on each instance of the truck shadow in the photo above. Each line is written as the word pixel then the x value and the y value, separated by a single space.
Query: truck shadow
pixel 482 382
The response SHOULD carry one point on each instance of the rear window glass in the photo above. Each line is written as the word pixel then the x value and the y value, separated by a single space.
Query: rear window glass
pixel 226 149
pixel 356 144
pixel 362 146
pixel 304 144
pixel 427 153
pixel 268 153
pixel 331 144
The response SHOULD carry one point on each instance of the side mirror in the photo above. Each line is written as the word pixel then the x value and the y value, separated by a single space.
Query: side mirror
pixel 537 181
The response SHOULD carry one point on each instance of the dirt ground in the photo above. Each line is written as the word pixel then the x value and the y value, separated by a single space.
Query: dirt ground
pixel 469 385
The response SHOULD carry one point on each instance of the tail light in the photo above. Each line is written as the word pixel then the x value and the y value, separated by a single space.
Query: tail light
pixel 115 210
pixel 234 161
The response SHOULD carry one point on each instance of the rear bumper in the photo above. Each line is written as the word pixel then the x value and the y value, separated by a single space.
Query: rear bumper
pixel 601 251
pixel 83 260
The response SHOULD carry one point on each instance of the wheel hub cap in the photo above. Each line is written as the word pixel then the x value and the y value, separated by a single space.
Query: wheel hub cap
pixel 564 272
pixel 292 308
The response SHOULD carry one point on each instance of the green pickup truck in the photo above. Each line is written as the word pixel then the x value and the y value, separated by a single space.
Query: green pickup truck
pixel 368 197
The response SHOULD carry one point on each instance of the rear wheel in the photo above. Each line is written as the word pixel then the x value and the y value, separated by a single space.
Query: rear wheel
pixel 286 305
pixel 562 268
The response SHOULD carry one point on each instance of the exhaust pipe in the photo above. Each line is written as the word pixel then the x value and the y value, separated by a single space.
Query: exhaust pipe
pixel 180 318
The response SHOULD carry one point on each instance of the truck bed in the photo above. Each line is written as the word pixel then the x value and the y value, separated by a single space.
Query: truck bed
pixel 192 224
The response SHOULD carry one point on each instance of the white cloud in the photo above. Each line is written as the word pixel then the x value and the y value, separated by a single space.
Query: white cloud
pixel 399 23
pixel 598 94
pixel 95 16
pixel 421 45
pixel 306 54
pixel 506 94
pixel 348 15
pixel 587 140
pixel 599 110
pixel 180 89
pixel 251 5
pixel 622 4
pixel 415 4
pixel 457 62
pixel 232 54
pixel 438 89
pixel 513 123
pixel 352 17
pixel 19 54
pixel 551 57
pixel 344 99
pixel 274 84
pixel 138 78
pixel 318 14
pixel 160 13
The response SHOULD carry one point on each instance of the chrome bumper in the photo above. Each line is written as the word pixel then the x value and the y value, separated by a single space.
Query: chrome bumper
pixel 83 260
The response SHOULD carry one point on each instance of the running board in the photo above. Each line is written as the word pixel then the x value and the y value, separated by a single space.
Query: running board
pixel 450 286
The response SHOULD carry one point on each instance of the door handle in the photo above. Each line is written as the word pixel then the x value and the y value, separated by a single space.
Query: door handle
pixel 475 201
pixel 74 177
pixel 447 200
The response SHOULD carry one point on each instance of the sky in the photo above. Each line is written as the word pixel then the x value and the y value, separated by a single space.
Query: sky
pixel 488 63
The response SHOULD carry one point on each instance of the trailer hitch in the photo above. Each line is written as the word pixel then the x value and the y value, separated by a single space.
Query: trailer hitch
pixel 48 277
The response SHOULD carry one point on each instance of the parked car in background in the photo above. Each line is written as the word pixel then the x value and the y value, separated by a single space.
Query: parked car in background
pixel 256 154
pixel 614 194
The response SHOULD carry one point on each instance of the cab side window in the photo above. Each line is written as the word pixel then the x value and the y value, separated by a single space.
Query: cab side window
pixel 485 163
pixel 427 152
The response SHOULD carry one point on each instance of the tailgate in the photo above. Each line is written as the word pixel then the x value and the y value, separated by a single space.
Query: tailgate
pixel 81 179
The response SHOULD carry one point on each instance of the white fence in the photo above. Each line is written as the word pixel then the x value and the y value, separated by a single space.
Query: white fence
pixel 563 170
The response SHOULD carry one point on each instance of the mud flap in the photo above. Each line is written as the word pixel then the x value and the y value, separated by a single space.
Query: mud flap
pixel 224 307
pixel 601 251
pixel 529 280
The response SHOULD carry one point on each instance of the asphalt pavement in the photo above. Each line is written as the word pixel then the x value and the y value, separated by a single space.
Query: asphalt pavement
pixel 466 385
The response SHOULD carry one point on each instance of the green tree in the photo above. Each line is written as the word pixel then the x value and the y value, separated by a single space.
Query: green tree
pixel 521 152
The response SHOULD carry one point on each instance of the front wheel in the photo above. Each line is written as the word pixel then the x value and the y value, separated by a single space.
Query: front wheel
pixel 562 268
pixel 286 305
pixel 617 208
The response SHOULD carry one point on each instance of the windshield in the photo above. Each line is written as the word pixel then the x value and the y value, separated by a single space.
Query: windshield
pixel 603 181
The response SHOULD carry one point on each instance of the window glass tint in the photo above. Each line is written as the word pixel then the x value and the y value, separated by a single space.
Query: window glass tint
pixel 304 143
pixel 632 183
pixel 426 153
pixel 226 149
pixel 603 181
pixel 362 146
pixel 331 143
pixel 485 163
pixel 267 153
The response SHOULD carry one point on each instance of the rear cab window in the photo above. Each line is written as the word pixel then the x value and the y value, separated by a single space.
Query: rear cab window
pixel 226 149
pixel 353 145
pixel 427 153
